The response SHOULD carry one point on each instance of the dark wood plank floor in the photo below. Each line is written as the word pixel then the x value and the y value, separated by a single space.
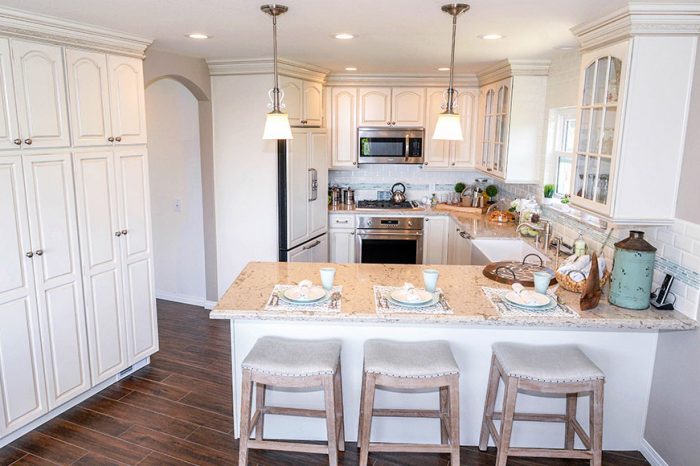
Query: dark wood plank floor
pixel 178 410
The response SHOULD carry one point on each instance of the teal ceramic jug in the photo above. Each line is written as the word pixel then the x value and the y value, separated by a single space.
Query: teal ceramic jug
pixel 633 272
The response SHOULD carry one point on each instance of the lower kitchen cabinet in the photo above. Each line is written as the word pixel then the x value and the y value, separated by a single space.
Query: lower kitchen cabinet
pixel 315 251
pixel 459 248
pixel 341 245
pixel 435 238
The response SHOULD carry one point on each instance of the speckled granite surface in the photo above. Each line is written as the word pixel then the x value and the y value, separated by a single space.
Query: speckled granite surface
pixel 247 296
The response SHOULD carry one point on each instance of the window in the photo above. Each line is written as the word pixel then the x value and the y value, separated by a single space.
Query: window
pixel 562 135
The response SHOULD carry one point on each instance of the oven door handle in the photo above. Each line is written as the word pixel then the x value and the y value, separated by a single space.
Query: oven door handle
pixel 405 153
pixel 388 234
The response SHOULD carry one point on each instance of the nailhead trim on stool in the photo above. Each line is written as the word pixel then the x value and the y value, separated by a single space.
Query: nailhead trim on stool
pixel 410 365
pixel 284 362
pixel 555 369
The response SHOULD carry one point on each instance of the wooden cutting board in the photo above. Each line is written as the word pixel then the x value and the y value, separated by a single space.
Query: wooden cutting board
pixel 460 208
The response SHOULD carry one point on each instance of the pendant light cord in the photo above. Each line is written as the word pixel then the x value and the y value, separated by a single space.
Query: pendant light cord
pixel 276 89
pixel 450 89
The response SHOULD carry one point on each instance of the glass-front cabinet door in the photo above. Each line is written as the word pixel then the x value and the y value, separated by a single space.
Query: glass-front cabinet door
pixel 495 127
pixel 597 131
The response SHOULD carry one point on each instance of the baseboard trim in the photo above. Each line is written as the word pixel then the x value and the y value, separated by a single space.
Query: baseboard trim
pixel 651 455
pixel 181 298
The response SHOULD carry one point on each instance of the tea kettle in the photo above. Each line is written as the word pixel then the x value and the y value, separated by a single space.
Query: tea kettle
pixel 397 197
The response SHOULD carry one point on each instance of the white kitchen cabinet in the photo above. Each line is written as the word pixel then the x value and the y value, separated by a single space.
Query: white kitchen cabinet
pixel 57 276
pixel 452 235
pixel 342 246
pixel 22 380
pixel 374 106
pixel 100 245
pixel 318 177
pixel 343 110
pixel 435 239
pixel 89 98
pixel 127 102
pixel 440 154
pixel 386 106
pixel 459 245
pixel 303 101
pixel 9 126
pixel 314 251
pixel 117 257
pixel 40 94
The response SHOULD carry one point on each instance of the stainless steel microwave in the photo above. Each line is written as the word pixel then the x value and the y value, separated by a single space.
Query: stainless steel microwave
pixel 390 145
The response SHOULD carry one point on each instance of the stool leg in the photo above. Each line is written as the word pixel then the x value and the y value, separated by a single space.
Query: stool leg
pixel 339 415
pixel 454 420
pixel 366 420
pixel 509 399
pixel 571 401
pixel 259 405
pixel 490 404
pixel 246 402
pixel 444 403
pixel 362 409
pixel 596 423
pixel 328 394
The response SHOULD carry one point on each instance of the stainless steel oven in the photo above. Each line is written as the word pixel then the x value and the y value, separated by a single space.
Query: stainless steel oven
pixel 389 240
pixel 390 145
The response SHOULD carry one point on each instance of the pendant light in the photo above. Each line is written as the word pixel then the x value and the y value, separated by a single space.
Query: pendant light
pixel 277 122
pixel 448 125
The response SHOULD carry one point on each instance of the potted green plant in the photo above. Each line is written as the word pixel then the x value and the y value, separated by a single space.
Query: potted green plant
pixel 491 191
pixel 549 190
pixel 459 189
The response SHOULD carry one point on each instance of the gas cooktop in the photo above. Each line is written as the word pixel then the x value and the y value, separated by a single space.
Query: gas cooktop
pixel 386 205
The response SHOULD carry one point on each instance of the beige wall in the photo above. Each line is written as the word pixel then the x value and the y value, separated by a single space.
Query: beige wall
pixel 193 73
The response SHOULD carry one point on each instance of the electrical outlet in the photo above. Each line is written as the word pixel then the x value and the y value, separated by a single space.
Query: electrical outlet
pixel 178 205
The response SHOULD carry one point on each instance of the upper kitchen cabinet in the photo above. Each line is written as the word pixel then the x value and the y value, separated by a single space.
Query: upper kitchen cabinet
pixel 385 106
pixel 40 94
pixel 634 93
pixel 451 154
pixel 9 126
pixel 343 121
pixel 303 100
pixel 127 102
pixel 511 120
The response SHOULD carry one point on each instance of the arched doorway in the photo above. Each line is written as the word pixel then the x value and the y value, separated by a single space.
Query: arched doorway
pixel 176 189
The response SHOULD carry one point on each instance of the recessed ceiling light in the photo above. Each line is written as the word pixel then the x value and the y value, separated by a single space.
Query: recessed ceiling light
pixel 490 36
pixel 350 68
pixel 444 68
pixel 344 36
pixel 197 35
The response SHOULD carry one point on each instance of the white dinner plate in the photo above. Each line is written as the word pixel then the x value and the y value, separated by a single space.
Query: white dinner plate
pixel 528 299
pixel 304 295
pixel 547 307
pixel 434 300
pixel 412 297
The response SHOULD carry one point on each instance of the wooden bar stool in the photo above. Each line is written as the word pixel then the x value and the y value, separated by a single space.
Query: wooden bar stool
pixel 410 365
pixel 555 369
pixel 284 362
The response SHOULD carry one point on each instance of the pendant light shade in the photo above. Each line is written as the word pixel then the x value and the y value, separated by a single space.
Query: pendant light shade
pixel 277 122
pixel 449 126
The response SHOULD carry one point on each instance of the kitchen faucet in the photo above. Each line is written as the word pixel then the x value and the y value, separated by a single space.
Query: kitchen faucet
pixel 546 229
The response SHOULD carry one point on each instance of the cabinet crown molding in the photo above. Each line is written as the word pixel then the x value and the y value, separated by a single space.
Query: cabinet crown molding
pixel 286 67
pixel 35 26
pixel 399 80
pixel 640 19
pixel 511 67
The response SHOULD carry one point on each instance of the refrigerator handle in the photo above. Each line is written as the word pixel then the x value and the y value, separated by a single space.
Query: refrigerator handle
pixel 313 184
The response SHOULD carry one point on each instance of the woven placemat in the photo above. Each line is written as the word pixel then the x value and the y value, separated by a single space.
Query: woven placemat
pixel 277 304
pixel 497 297
pixel 384 305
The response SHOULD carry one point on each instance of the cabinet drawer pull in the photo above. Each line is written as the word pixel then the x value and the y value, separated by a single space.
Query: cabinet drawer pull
pixel 28 142
pixel 39 252
pixel 117 234
pixel 30 254
pixel 17 141
pixel 465 235
pixel 341 221
pixel 124 232
pixel 118 139
pixel 110 139
pixel 311 246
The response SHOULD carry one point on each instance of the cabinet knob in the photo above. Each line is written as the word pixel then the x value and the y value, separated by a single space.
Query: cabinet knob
pixel 39 252
pixel 352 233
pixel 110 139
pixel 28 142
pixel 354 163
pixel 426 164
pixel 388 123
pixel 117 233
pixel 453 164
pixel 427 219
pixel 30 254
pixel 393 123
pixel 303 122
pixel 118 139
pixel 17 141
pixel 124 232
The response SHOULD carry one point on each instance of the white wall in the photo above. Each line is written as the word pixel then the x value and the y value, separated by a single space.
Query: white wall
pixel 175 171
pixel 245 172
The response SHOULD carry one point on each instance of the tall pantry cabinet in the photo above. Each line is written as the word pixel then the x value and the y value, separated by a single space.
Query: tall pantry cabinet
pixel 76 284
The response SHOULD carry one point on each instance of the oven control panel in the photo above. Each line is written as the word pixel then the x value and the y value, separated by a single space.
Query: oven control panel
pixel 389 223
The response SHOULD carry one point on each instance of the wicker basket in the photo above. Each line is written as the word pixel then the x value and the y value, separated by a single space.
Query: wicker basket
pixel 577 287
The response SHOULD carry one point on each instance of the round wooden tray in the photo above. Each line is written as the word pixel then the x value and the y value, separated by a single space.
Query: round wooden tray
pixel 510 272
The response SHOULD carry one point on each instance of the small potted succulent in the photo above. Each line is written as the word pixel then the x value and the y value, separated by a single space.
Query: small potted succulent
pixel 549 190
pixel 459 189
pixel 491 191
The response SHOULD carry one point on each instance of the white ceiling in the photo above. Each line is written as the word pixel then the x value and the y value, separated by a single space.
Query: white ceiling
pixel 409 36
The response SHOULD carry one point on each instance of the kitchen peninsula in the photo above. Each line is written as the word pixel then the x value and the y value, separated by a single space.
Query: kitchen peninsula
pixel 621 342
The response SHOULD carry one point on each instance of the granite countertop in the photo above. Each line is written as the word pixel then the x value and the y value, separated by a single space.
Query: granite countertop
pixel 248 295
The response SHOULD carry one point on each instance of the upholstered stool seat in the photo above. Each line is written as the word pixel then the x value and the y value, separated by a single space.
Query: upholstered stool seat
pixel 293 358
pixel 409 359
pixel 284 362
pixel 555 363
pixel 410 365
pixel 562 370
